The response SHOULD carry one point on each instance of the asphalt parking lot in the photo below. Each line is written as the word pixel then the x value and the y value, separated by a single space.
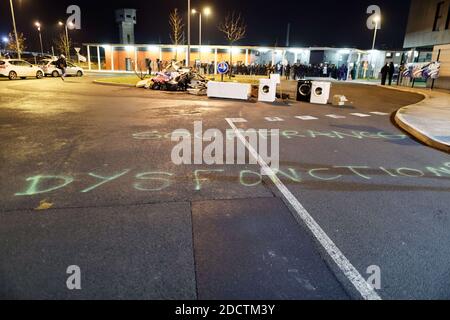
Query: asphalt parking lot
pixel 97 161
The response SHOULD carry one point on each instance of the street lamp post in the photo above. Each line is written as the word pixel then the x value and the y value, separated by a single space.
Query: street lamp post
pixel 67 37
pixel 38 25
pixel 206 12
pixel 188 55
pixel 15 29
pixel 377 21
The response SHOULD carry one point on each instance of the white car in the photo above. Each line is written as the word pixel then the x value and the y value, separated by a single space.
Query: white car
pixel 49 67
pixel 16 68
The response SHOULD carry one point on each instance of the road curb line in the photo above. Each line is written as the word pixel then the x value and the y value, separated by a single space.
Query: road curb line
pixel 124 85
pixel 404 125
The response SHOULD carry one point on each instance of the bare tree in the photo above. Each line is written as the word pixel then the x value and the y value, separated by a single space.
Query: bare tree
pixel 12 44
pixel 62 45
pixel 177 30
pixel 234 29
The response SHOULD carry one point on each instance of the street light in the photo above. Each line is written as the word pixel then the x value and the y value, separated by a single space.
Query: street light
pixel 69 24
pixel 188 55
pixel 15 29
pixel 377 20
pixel 206 12
pixel 38 25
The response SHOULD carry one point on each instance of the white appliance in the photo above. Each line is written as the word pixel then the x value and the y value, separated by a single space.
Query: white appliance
pixel 229 90
pixel 320 92
pixel 275 77
pixel 267 90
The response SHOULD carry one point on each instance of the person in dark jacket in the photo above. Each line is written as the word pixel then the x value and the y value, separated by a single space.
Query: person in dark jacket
pixel 287 71
pixel 61 64
pixel 149 67
pixel 384 74
pixel 343 70
pixel 391 72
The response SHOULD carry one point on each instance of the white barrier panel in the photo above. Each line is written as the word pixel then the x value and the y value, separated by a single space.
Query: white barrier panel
pixel 229 90
pixel 276 77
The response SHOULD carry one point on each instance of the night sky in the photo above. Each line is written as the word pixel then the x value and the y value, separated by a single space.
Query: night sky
pixel 313 23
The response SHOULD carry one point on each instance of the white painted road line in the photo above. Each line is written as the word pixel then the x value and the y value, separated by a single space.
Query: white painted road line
pixel 236 120
pixel 361 115
pixel 335 116
pixel 365 289
pixel 380 113
pixel 276 119
pixel 306 118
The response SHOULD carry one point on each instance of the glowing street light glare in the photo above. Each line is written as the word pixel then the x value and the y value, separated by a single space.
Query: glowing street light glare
pixel 194 11
pixel 207 11
pixel 37 24
pixel 5 40
pixel 377 19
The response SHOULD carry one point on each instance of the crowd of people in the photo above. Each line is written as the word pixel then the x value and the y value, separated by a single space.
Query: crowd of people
pixel 290 72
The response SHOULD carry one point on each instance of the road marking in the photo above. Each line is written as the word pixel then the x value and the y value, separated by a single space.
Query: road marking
pixel 335 116
pixel 306 118
pixel 365 289
pixel 275 119
pixel 236 120
pixel 380 113
pixel 361 115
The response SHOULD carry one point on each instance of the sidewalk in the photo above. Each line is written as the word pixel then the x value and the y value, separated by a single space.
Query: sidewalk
pixel 428 120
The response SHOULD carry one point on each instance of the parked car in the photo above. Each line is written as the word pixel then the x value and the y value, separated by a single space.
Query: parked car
pixel 17 68
pixel 49 67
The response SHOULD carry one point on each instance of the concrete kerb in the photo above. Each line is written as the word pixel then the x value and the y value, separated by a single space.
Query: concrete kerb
pixel 104 83
pixel 421 135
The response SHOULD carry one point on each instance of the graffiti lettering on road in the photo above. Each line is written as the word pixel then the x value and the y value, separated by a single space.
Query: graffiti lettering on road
pixel 289 134
pixel 155 181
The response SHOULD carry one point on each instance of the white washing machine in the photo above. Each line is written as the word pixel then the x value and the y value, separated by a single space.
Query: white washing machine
pixel 320 92
pixel 267 90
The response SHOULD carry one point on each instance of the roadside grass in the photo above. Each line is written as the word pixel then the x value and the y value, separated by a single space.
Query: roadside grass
pixel 132 80
pixel 254 80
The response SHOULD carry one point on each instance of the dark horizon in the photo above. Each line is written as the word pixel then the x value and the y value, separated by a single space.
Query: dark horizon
pixel 341 24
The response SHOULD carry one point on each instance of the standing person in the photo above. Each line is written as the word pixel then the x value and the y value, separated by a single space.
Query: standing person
pixel 149 66
pixel 400 74
pixel 158 64
pixel 384 73
pixel 61 64
pixel 325 71
pixel 287 71
pixel 343 70
pixel 391 72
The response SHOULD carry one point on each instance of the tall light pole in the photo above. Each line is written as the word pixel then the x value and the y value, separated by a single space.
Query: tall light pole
pixel 15 29
pixel 70 24
pixel 377 20
pixel 38 25
pixel 206 12
pixel 188 55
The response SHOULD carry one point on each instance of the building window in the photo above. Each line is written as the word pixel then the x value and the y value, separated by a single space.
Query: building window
pixel 438 17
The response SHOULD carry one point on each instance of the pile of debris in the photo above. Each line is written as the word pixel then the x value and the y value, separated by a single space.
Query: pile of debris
pixel 177 78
